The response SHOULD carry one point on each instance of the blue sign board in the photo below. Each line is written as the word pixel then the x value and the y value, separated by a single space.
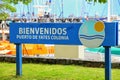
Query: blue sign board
pixel 58 33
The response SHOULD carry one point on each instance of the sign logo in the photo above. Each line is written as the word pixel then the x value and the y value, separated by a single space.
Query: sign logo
pixel 92 33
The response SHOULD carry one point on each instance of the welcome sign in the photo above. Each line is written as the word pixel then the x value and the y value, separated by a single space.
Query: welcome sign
pixel 90 34
pixel 65 33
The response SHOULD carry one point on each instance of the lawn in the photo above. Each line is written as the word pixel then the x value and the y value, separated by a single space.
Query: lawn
pixel 54 72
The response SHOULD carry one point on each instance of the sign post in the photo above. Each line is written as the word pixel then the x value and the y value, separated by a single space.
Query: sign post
pixel 107 62
pixel 18 60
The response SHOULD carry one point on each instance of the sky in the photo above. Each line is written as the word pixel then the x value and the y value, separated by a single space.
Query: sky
pixel 73 7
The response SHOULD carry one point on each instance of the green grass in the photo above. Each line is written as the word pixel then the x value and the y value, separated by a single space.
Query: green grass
pixel 54 72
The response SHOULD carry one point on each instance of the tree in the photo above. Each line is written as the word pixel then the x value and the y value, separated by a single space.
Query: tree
pixel 6 7
pixel 100 1
pixel 17 1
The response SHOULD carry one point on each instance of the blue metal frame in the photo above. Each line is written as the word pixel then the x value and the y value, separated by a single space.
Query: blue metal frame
pixel 107 62
pixel 18 60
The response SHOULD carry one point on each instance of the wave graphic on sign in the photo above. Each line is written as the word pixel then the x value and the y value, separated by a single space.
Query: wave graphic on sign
pixel 92 37
pixel 92 33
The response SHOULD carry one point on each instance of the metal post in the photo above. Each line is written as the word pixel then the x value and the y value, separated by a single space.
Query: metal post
pixel 109 11
pixel 107 63
pixel 18 60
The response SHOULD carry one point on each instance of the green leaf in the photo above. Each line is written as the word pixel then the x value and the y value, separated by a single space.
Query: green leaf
pixel 3 16
pixel 6 7
pixel 17 1
pixel 99 1
pixel 10 8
